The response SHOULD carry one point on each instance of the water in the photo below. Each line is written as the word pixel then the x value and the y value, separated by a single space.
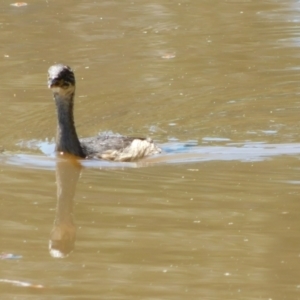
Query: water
pixel 215 215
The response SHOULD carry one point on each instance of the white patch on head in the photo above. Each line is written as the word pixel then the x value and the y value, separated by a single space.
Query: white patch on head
pixel 54 71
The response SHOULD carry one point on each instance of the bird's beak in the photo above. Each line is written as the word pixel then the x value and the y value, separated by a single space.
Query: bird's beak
pixel 50 83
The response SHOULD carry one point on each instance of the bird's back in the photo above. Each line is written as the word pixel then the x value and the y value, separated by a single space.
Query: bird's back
pixel 118 148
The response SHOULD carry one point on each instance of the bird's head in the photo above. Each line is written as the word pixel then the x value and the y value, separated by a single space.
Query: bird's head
pixel 61 79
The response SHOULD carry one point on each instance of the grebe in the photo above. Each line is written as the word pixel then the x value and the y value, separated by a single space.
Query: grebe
pixel 61 81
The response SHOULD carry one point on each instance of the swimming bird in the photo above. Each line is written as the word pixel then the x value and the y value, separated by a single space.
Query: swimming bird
pixel 61 80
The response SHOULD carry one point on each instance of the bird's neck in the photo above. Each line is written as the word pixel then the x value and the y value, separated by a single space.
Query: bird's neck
pixel 66 138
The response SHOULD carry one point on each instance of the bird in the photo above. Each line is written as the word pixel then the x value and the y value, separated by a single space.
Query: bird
pixel 113 147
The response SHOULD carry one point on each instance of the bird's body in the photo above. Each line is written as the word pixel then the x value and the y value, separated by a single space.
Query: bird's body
pixel 61 80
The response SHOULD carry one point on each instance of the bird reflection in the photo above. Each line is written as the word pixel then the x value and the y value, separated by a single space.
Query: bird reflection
pixel 63 234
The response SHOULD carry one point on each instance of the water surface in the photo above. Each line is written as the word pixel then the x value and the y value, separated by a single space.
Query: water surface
pixel 216 215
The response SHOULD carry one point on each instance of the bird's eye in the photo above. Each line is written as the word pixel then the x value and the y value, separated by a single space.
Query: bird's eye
pixel 66 84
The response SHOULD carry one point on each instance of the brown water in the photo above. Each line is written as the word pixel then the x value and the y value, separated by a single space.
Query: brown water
pixel 216 215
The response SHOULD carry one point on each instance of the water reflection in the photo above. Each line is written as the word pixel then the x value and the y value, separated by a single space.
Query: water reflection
pixel 63 234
